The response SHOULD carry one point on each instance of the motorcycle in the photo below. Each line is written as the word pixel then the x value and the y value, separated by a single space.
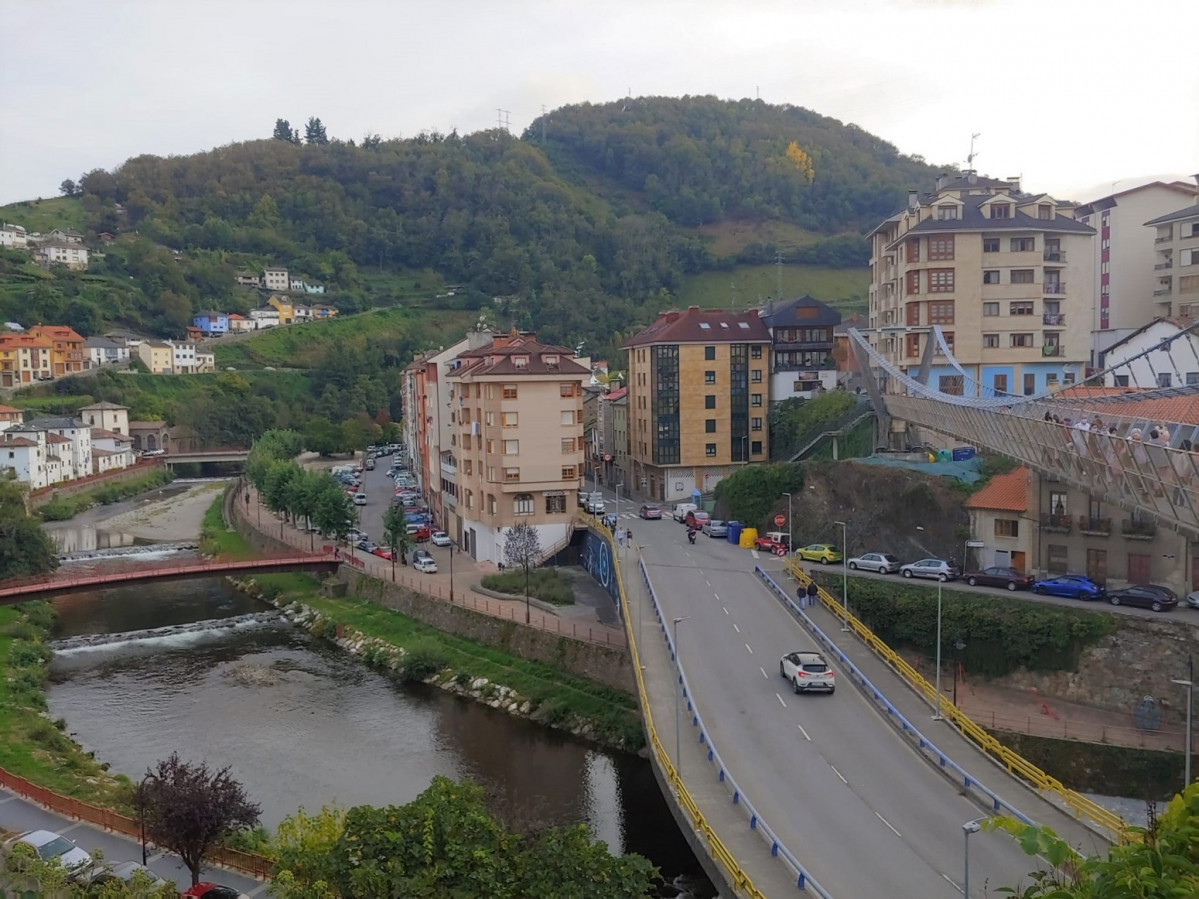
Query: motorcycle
pixel 691 536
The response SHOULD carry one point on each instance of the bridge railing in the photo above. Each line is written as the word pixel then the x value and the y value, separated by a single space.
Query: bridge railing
pixel 1015 764
pixel 737 876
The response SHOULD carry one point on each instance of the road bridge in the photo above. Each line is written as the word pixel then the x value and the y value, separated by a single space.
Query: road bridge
pixel 219 455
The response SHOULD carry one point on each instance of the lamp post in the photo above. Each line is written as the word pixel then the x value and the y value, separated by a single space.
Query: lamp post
pixel 1189 683
pixel 959 644
pixel 141 811
pixel 937 698
pixel 678 689
pixel 616 523
pixel 745 449
pixel 968 828
pixel 788 495
pixel 453 546
pixel 844 572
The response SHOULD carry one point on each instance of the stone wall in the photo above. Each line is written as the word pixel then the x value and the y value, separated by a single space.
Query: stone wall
pixel 39 498
pixel 604 665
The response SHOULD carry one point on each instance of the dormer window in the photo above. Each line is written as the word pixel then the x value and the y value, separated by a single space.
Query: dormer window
pixel 1001 211
pixel 947 213
pixel 550 360
pixel 520 361
pixel 1044 211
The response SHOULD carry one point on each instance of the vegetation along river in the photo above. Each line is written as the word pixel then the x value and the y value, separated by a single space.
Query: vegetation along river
pixel 303 724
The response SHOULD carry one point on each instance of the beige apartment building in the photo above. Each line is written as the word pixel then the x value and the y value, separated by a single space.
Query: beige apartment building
pixel 698 400
pixel 1006 276
pixel 516 409
pixel 1176 266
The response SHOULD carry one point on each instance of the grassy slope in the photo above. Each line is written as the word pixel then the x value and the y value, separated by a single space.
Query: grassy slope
pixel 727 238
pixel 844 289
pixel 45 215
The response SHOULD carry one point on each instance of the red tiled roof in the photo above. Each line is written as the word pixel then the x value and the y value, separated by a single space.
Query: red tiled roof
pixel 498 358
pixel 19 441
pixel 615 394
pixel 51 437
pixel 695 325
pixel 1004 493
pixel 8 410
pixel 104 434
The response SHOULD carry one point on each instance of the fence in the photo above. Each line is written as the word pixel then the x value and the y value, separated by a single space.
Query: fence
pixel 1016 765
pixel 78 810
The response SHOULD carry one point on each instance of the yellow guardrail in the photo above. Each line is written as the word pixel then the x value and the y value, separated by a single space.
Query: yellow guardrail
pixel 736 876
pixel 1015 764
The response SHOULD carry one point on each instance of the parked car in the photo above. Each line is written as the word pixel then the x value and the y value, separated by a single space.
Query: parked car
pixel 650 512
pixel 1000 576
pixel 120 872
pixel 1145 596
pixel 441 538
pixel 1074 586
pixel 715 527
pixel 595 505
pixel 422 534
pixel 776 542
pixel 425 566
pixel 48 844
pixel 696 518
pixel 211 891
pixel 937 569
pixel 1193 600
pixel 824 553
pixel 366 546
pixel 360 499
pixel 382 552
pixel 418 554
pixel 807 671
pixel 883 563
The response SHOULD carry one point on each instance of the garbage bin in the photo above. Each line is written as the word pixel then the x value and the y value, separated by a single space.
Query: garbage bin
pixel 963 454
pixel 944 456
pixel 734 534
pixel 747 538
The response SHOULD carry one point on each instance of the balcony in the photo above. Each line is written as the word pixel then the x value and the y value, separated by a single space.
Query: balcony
pixel 1162 292
pixel 1163 238
pixel 1053 318
pixel 1055 255
pixel 1053 349
pixel 1162 266
pixel 1138 530
pixel 1053 288
pixel 1056 524
pixel 1095 527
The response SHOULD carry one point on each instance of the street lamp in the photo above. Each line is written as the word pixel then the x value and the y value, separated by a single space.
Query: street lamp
pixel 141 811
pixel 844 572
pixel 968 828
pixel 1189 683
pixel 788 495
pixel 937 699
pixel 744 449
pixel 678 689
pixel 616 522
pixel 959 644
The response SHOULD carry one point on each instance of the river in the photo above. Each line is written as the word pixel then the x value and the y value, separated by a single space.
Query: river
pixel 301 723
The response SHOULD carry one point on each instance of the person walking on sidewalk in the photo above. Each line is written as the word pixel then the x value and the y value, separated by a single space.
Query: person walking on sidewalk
pixel 813 591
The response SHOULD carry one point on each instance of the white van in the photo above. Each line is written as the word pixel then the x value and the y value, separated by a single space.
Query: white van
pixel 681 510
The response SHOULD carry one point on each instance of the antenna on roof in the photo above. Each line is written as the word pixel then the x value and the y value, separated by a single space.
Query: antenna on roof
pixel 970 156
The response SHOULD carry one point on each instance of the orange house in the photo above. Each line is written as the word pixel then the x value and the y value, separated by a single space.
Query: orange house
pixel 25 358
pixel 67 350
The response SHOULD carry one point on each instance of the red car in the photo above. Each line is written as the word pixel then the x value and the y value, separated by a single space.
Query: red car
pixel 696 519
pixel 420 533
pixel 775 542
pixel 211 891
pixel 382 552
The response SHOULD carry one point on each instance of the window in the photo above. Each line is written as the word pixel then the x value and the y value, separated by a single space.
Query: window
pixel 511 447
pixel 490 446
pixel 991 276
pixel 912 251
pixel 509 419
pixel 568 444
pixel 912 347
pixel 709 377
pixel 945 214
pixel 941 247
pixel 1022 276
pixel 1001 211
pixel 755 447
pixel 1024 244
pixel 710 449
pixel 555 503
pixel 491 504
pixel 755 399
pixel 755 352
pixel 990 244
pixel 567 417
pixel 568 473
pixel 1192 378
pixel 1030 385
pixel 912 314
pixel 709 353
pixel 940 313
pixel 1044 211
pixel 940 280
pixel 567 389
pixel 509 391
pixel 709 426
pixel 755 424
pixel 467 467
pixel 1163 379
pixel 710 401
pixel 990 309
pixel 1121 380
pixel 999 382
pixel 913 281
pixel 1007 527
pixel 991 342
pixel 489 419
pixel 522 504
pixel 511 474
pixel 1024 307
pixel 755 376
pixel 1021 340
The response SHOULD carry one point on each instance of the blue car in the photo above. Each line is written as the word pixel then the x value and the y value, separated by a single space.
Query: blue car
pixel 1073 586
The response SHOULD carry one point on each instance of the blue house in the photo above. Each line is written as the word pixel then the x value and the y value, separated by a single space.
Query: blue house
pixel 211 323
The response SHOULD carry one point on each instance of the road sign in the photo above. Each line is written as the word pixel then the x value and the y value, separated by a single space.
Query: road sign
pixel 976 544
pixel 780 520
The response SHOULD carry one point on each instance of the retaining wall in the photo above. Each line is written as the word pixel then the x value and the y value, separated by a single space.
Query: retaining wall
pixel 39 498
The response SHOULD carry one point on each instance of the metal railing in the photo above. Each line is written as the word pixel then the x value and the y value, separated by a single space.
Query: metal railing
pixel 1053 288
pixel 1089 525
pixel 1053 349
pixel 1015 764
pixel 1163 238
pixel 1053 318
pixel 1162 266
pixel 1131 527
pixel 1055 255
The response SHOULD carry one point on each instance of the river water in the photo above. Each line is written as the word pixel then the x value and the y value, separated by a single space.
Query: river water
pixel 301 723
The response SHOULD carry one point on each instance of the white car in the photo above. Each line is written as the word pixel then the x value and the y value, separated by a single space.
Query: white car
pixel 425 566
pixel 441 538
pixel 883 563
pixel 48 845
pixel 807 671
pixel 595 506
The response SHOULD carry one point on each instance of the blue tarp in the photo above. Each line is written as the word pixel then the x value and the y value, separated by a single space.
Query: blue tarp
pixel 968 471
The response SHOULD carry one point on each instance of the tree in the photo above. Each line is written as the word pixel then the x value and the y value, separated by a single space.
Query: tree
pixel 801 160
pixel 522 549
pixel 189 809
pixel 25 549
pixel 395 532
pixel 314 132
pixel 69 188
pixel 282 130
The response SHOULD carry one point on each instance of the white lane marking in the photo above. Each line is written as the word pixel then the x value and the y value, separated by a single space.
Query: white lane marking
pixel 839 774
pixel 804 732
pixel 751 652
pixel 737 629
pixel 888 823
pixel 709 583
pixel 780 699
pixel 717 595
pixel 726 611
pixel 951 883
pixel 763 670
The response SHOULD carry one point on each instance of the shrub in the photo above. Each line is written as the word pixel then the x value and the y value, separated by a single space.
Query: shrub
pixel 26 653
pixel 422 661
pixel 548 584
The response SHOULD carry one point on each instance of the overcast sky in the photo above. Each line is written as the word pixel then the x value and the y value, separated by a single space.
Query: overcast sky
pixel 1072 95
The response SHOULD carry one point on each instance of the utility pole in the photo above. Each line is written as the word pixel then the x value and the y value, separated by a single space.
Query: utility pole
pixel 543 124
pixel 503 118
pixel 778 266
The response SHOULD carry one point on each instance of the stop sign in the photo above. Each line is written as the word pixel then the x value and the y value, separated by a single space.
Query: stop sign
pixel 780 520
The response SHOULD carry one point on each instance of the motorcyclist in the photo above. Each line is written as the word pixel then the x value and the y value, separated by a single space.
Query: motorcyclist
pixel 690 534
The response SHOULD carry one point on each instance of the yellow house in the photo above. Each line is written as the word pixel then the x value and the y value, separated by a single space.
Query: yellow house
pixel 156 355
pixel 287 312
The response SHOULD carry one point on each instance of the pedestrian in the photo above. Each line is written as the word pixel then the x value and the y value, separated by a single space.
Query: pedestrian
pixel 628 536
pixel 801 598
pixel 619 537
pixel 813 592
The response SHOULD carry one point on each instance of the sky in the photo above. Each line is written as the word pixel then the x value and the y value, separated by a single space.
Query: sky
pixel 1078 98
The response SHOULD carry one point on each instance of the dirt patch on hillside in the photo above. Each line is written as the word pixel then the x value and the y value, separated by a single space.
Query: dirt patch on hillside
pixel 886 510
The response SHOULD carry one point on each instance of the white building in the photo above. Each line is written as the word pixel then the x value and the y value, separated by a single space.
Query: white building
pixel 266 317
pixel 25 454
pixel 296 285
pixel 13 236
pixel 1175 366
pixel 205 362
pixel 301 313
pixel 69 440
pixel 239 323
pixel 110 450
pixel 276 279
pixel 106 416
pixel 183 357
pixel 105 351
pixel 72 255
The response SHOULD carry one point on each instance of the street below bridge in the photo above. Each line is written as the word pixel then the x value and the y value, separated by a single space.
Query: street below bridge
pixel 861 809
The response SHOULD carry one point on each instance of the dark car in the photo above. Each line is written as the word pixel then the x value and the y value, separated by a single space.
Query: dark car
pixel 1000 576
pixel 1074 586
pixel 1145 596
pixel 212 891
pixel 651 512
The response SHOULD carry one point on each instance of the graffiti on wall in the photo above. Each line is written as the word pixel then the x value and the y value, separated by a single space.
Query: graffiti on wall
pixel 596 557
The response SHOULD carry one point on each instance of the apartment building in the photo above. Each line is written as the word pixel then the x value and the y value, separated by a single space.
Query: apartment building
pixel 1124 258
pixel 698 395
pixel 1006 276
pixel 156 355
pixel 25 358
pixel 66 348
pixel 801 355
pixel 1176 266
pixel 516 408
pixel 276 279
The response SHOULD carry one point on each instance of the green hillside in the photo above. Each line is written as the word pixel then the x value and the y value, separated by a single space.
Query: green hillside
pixel 751 285
pixel 46 215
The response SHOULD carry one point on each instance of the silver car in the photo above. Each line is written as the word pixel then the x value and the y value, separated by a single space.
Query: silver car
pixel 48 845
pixel 714 527
pixel 936 569
pixel 1193 600
pixel 883 563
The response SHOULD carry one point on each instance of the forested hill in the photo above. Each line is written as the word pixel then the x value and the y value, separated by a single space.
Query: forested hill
pixel 586 225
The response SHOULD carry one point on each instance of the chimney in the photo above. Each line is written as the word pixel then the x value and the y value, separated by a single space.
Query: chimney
pixel 500 340
pixel 1014 183
pixel 941 180
pixel 913 200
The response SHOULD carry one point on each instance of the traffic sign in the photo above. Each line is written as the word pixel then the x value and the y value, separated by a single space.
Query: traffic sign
pixel 780 520
pixel 975 544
